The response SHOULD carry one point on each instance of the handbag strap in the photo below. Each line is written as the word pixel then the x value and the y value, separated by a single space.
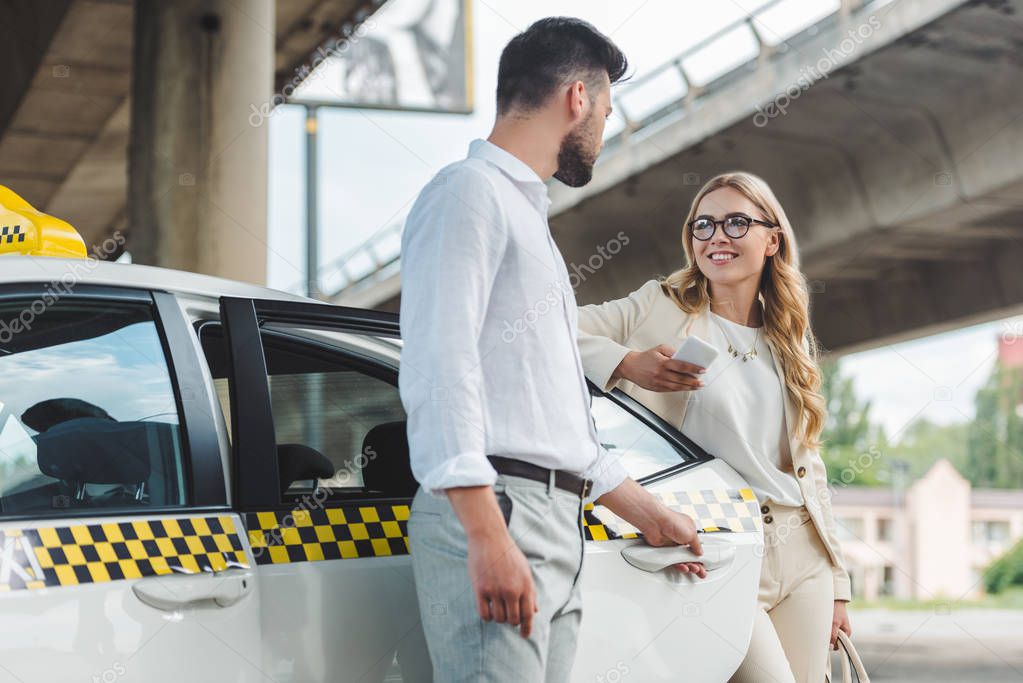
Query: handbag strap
pixel 851 662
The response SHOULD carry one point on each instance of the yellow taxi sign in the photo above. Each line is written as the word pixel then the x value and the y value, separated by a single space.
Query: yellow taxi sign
pixel 23 230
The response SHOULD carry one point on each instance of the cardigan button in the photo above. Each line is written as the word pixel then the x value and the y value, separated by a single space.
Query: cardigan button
pixel 801 472
pixel 764 509
pixel 768 519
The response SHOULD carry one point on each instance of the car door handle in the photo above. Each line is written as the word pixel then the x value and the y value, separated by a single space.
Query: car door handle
pixel 651 559
pixel 171 592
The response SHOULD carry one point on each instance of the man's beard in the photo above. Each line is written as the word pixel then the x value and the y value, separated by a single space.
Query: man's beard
pixel 575 160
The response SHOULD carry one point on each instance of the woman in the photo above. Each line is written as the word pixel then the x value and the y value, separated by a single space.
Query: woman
pixel 758 408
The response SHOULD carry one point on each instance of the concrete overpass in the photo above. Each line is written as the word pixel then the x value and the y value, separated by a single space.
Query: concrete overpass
pixel 69 121
pixel 898 158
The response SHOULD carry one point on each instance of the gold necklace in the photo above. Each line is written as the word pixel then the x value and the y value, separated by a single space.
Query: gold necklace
pixel 752 353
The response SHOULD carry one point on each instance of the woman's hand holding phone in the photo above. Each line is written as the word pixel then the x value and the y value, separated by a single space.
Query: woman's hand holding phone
pixel 656 370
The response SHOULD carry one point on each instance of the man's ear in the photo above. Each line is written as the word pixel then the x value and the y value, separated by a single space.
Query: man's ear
pixel 578 101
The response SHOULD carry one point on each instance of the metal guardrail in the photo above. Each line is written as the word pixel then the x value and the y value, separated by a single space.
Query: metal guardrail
pixel 378 257
pixel 691 90
pixel 372 261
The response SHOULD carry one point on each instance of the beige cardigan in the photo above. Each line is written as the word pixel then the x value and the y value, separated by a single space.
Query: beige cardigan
pixel 646 318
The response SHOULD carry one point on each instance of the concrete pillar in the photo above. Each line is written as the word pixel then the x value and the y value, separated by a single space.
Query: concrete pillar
pixel 197 170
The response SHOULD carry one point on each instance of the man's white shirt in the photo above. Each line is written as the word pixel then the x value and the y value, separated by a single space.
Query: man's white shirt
pixel 490 364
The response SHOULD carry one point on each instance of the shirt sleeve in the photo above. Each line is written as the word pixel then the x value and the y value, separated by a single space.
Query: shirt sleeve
pixel 606 472
pixel 452 247
pixel 604 330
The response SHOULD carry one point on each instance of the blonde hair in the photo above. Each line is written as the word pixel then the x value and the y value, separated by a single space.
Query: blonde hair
pixel 783 295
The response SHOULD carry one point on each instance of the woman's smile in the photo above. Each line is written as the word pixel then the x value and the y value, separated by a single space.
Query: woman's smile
pixel 722 258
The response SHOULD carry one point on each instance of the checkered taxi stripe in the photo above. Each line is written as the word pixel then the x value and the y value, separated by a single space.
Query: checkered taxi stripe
pixel 76 554
pixel 339 533
pixel 354 531
pixel 8 234
pixel 711 510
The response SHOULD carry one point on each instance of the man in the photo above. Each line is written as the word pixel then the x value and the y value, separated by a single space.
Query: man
pixel 501 438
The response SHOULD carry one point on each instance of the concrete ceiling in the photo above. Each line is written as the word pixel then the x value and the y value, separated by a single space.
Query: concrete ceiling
pixel 901 173
pixel 65 108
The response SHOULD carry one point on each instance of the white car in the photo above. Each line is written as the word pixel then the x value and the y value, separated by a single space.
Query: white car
pixel 207 480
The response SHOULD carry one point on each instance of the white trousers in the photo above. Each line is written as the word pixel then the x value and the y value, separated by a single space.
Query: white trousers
pixel 546 524
pixel 795 604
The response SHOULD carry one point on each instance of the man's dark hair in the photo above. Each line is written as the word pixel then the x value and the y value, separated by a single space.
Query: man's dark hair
pixel 550 54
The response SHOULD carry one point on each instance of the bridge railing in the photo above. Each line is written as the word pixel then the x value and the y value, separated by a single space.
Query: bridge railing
pixel 672 89
pixel 374 260
pixel 675 87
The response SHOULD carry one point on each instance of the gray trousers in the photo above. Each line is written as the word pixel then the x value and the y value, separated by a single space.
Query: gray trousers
pixel 545 523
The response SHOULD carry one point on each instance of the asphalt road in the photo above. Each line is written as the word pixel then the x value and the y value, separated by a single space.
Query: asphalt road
pixel 960 646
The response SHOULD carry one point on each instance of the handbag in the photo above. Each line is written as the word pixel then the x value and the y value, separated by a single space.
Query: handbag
pixel 852 665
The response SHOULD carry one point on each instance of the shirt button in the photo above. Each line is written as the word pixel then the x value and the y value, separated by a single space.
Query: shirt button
pixel 764 509
pixel 801 472
pixel 768 519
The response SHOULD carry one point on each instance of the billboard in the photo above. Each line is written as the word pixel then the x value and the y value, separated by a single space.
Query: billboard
pixel 413 55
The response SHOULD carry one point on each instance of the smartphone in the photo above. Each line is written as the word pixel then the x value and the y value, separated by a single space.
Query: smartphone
pixel 696 351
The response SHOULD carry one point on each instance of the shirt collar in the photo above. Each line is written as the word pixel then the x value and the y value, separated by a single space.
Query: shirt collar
pixel 517 170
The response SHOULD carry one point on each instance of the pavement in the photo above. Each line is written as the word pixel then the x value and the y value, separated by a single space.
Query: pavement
pixel 943 644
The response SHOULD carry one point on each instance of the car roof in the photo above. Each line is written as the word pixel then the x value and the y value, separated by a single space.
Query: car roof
pixel 17 269
pixel 45 269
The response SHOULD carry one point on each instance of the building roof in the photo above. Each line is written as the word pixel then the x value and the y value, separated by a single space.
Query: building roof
pixel 865 496
pixel 997 498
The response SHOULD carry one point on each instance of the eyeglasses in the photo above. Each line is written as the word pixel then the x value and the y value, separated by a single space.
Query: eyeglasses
pixel 735 226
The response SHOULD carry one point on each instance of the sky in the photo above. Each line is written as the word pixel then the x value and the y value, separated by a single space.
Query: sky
pixel 372 165
pixel 933 377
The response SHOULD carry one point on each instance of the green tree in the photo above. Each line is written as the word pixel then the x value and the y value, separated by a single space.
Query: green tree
pixel 994 455
pixel 1006 571
pixel 923 443
pixel 849 440
pixel 848 420
pixel 859 452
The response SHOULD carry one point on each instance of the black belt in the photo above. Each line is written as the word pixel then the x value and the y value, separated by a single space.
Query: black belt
pixel 566 481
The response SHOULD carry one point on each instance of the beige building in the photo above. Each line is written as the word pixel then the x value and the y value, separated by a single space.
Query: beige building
pixel 934 543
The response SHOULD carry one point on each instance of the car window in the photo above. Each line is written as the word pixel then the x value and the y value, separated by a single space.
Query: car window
pixel 336 410
pixel 88 414
pixel 338 419
pixel 640 449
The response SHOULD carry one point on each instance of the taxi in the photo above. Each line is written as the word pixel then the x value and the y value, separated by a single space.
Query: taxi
pixel 208 480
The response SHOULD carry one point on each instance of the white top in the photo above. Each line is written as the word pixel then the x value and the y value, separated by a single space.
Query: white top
pixel 739 415
pixel 490 364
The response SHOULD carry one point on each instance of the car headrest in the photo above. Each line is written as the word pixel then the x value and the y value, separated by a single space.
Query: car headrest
pixel 296 462
pixel 52 411
pixel 95 450
pixel 387 466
